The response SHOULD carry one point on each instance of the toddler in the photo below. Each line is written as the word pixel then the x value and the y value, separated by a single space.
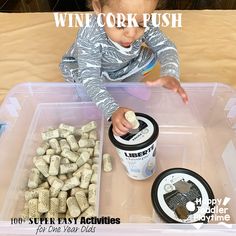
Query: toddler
pixel 103 53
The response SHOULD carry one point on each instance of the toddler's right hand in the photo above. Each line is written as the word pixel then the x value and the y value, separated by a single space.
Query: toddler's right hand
pixel 120 125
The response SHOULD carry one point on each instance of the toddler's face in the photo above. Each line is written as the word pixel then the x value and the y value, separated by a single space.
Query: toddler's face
pixel 125 36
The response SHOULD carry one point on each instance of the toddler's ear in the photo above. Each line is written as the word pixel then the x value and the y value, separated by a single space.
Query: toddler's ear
pixel 96 6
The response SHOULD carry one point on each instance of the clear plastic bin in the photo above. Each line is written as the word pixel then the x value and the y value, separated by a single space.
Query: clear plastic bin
pixel 199 136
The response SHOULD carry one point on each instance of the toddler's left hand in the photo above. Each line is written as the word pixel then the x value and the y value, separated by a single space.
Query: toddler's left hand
pixel 172 84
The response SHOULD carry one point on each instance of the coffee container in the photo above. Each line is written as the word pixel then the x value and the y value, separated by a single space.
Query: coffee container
pixel 137 149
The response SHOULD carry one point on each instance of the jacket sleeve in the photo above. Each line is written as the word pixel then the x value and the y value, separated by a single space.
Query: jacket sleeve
pixel 89 74
pixel 165 51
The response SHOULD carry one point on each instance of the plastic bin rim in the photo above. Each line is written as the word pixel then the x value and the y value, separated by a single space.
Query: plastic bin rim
pixel 132 228
pixel 108 85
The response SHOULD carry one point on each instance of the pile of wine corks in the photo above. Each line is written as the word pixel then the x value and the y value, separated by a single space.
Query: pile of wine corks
pixel 63 181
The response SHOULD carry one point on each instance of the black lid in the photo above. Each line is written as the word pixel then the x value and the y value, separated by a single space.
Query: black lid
pixel 130 147
pixel 171 191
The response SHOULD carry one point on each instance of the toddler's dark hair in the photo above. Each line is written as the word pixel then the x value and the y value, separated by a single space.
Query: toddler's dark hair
pixel 102 2
pixel 89 3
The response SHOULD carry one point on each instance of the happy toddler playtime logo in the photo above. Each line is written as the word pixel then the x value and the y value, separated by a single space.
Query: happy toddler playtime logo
pixel 218 214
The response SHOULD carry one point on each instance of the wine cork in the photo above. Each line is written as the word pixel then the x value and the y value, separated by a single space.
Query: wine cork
pixel 131 117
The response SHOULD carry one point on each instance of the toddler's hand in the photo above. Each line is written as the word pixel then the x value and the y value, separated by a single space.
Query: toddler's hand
pixel 120 125
pixel 172 84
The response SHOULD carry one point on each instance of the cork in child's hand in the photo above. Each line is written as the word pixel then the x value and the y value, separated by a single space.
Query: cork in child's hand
pixel 131 117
